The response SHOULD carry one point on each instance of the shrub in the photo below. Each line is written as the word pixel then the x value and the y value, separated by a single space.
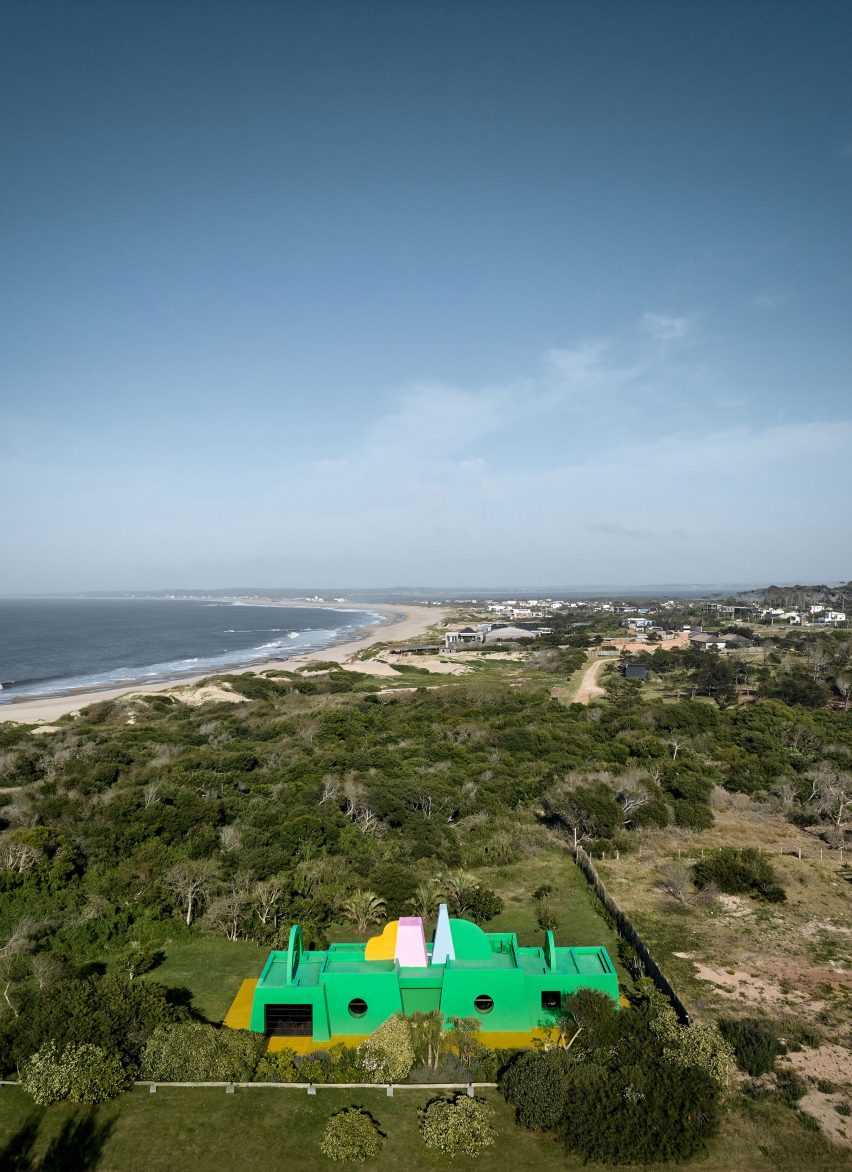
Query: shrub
pixel 645 1112
pixel 458 1126
pixel 739 872
pixel 351 1134
pixel 754 1043
pixel 111 1011
pixel 791 1087
pixel 483 905
pixel 699 1046
pixel 82 1074
pixel 195 1052
pixel 312 1069
pixel 278 1066
pixel 388 1054
pixel 536 1086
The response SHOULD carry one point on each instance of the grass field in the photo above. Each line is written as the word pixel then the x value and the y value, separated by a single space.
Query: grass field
pixel 211 969
pixel 263 1130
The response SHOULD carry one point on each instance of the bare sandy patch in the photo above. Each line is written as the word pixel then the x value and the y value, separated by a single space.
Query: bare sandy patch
pixel 681 639
pixel 430 663
pixel 823 1108
pixel 749 988
pixel 734 906
pixel 828 1061
pixel 194 697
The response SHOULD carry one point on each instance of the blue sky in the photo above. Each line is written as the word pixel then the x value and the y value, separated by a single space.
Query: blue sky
pixel 424 293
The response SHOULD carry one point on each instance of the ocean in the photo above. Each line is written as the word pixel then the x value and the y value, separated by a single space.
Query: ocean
pixel 49 646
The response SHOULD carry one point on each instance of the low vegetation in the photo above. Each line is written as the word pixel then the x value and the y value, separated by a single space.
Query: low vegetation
pixel 148 847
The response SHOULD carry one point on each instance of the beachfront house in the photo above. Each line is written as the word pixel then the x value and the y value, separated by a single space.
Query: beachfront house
pixel 344 992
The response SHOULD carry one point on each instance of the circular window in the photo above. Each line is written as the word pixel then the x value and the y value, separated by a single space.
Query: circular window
pixel 483 1003
pixel 357 1007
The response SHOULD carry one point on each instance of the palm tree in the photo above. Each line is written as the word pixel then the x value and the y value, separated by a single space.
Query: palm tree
pixel 458 885
pixel 426 894
pixel 363 908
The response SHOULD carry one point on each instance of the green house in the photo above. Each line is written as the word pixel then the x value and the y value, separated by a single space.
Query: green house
pixel 350 989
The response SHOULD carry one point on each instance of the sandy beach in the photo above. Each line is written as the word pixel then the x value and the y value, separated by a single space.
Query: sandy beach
pixel 401 624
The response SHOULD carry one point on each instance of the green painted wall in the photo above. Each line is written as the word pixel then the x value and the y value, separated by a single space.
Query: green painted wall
pixel 485 965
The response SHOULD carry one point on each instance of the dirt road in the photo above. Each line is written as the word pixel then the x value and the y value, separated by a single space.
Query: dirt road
pixel 589 687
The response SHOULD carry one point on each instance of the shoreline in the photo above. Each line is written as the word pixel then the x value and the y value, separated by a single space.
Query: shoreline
pixel 407 621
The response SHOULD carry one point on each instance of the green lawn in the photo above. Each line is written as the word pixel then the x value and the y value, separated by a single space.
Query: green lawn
pixel 266 1130
pixel 211 968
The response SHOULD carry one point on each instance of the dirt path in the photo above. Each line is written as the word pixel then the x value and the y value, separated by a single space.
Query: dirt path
pixel 589 687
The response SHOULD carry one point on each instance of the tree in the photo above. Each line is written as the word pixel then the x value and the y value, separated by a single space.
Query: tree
pixel 227 910
pixel 428 1037
pixel 110 1011
pixel 15 963
pixel 459 887
pixel 139 958
pixel 832 794
pixel 189 881
pixel 422 902
pixel 843 683
pixel 465 1037
pixel 267 897
pixel 363 908
pixel 351 1134
pixel 458 1126
pixel 82 1074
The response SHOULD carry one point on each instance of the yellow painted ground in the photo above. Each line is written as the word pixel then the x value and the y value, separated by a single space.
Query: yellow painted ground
pixel 515 1039
pixel 239 1015
pixel 308 1045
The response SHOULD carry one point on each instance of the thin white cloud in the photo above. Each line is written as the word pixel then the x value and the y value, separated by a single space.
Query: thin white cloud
pixel 668 327
pixel 770 300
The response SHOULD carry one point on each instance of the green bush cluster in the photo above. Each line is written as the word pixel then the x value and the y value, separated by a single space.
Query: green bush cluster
pixel 458 1126
pixel 80 1073
pixel 635 1087
pixel 197 1052
pixel 754 1042
pixel 739 871
pixel 351 1134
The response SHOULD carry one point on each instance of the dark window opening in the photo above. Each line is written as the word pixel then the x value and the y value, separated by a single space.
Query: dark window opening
pixel 483 1003
pixel 357 1007
pixel 551 999
pixel 289 1021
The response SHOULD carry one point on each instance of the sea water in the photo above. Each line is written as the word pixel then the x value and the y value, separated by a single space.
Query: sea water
pixel 49 646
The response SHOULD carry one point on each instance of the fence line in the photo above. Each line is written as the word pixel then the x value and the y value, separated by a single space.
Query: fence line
pixel 310 1088
pixel 625 928
pixel 827 853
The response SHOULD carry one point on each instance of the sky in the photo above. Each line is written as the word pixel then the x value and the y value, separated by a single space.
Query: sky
pixel 424 292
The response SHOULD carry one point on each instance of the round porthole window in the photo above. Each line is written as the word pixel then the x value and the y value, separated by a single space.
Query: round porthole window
pixel 357 1007
pixel 483 1003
